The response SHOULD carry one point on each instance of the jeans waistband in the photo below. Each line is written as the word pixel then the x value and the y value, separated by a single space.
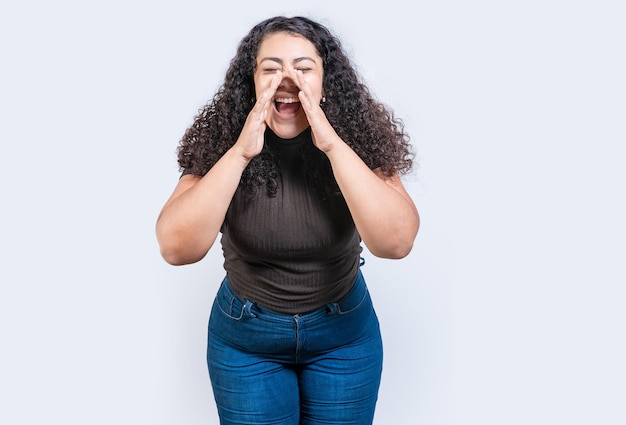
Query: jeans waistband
pixel 229 301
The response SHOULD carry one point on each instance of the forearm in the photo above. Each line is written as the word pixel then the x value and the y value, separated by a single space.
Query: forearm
pixel 190 221
pixel 383 212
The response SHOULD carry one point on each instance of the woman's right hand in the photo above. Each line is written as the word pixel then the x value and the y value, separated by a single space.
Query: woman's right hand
pixel 250 141
pixel 193 215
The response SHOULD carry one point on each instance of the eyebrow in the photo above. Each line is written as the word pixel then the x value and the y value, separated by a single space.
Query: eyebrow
pixel 280 61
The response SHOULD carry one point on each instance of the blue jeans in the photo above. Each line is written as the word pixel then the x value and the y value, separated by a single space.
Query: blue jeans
pixel 322 367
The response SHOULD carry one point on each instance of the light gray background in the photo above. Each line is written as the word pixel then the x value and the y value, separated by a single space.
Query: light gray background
pixel 509 310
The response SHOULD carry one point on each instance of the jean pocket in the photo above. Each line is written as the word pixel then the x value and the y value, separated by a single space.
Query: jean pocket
pixel 347 309
pixel 230 305
pixel 354 298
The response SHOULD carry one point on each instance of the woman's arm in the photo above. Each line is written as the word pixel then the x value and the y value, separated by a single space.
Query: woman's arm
pixel 384 214
pixel 383 211
pixel 191 218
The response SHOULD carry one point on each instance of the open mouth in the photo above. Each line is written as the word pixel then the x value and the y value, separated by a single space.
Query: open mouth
pixel 287 105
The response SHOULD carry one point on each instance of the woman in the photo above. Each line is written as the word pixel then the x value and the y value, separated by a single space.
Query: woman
pixel 295 163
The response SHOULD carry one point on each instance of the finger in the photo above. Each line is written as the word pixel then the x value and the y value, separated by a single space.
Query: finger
pixel 302 83
pixel 272 86
pixel 269 91
pixel 307 98
pixel 300 80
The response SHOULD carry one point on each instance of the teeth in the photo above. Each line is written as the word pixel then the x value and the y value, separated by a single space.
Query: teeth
pixel 287 100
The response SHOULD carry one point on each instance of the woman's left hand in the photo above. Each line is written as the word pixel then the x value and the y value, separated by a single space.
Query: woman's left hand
pixel 324 135
pixel 383 212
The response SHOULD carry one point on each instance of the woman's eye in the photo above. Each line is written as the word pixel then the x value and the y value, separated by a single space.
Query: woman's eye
pixel 271 70
pixel 303 69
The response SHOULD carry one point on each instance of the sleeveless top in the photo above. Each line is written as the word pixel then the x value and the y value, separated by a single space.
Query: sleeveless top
pixel 294 252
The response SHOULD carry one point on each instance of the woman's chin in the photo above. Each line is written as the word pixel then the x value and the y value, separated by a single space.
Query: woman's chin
pixel 287 129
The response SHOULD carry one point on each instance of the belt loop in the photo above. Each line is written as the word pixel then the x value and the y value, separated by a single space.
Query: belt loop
pixel 247 309
pixel 333 308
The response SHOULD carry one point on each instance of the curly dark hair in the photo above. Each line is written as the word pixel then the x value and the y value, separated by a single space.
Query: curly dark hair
pixel 364 123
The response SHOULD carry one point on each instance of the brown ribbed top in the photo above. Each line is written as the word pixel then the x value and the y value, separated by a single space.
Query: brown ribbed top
pixel 294 252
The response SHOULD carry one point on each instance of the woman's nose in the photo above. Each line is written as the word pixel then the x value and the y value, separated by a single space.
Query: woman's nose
pixel 287 83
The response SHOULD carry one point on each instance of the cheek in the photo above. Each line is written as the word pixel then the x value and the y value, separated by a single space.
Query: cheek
pixel 315 82
pixel 261 81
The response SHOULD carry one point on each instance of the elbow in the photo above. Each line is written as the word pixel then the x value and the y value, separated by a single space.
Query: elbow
pixel 398 246
pixel 393 252
pixel 172 257
pixel 177 256
pixel 401 251
pixel 178 250
pixel 394 249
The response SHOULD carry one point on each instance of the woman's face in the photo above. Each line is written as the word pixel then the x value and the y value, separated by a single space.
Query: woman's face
pixel 286 53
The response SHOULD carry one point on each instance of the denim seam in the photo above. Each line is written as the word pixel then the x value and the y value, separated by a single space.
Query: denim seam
pixel 340 312
pixel 229 314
